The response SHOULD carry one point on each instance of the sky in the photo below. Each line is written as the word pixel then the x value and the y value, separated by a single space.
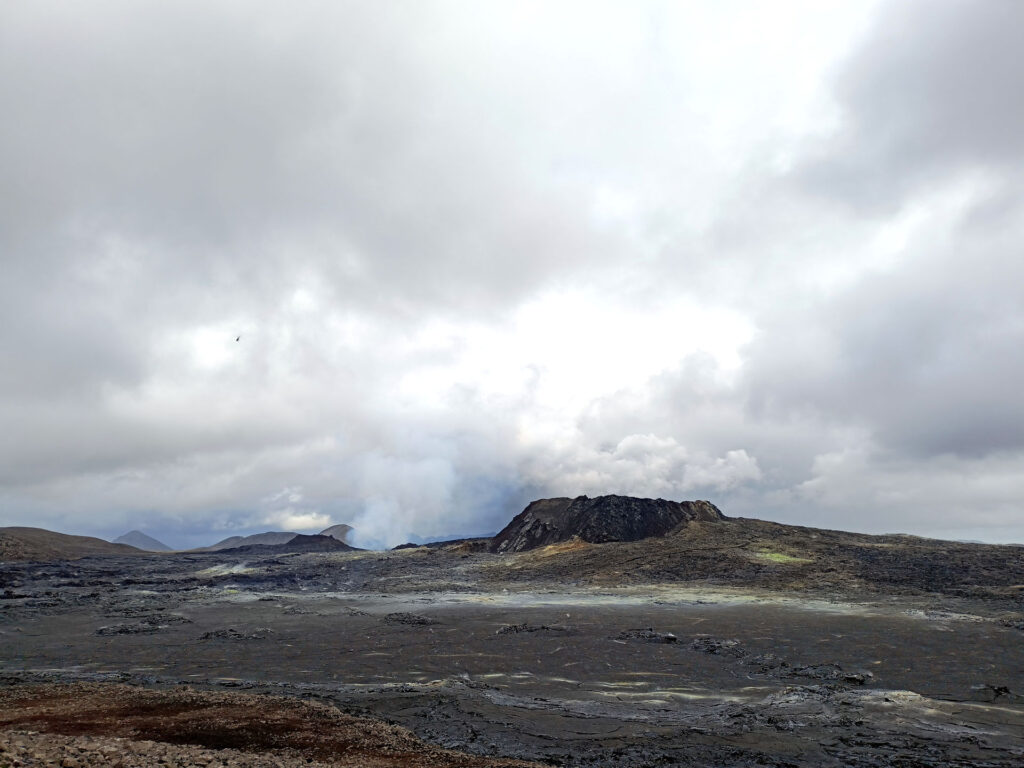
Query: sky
pixel 410 265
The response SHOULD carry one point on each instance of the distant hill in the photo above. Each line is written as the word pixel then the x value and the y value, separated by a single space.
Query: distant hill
pixel 139 540
pixel 339 532
pixel 233 542
pixel 470 544
pixel 444 538
pixel 298 543
pixel 39 544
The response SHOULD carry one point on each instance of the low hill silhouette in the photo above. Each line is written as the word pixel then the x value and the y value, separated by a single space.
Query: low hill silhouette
pixel 298 543
pixel 18 543
pixel 139 540
pixel 233 542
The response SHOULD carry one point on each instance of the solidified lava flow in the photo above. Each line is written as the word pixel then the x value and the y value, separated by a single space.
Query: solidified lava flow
pixel 707 641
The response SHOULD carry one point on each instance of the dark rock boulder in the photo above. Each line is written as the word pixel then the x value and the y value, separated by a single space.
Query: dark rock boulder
pixel 718 647
pixel 515 629
pixel 597 520
pixel 648 635
pixel 148 625
pixel 413 619
pixel 831 673
pixel 230 633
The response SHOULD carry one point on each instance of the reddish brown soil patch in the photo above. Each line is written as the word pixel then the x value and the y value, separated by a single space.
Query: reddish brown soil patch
pixel 251 723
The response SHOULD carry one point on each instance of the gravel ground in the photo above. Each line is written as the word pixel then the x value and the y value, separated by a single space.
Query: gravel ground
pixel 28 748
pixel 117 725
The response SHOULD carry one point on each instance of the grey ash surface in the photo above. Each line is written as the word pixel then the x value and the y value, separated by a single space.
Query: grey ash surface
pixel 793 647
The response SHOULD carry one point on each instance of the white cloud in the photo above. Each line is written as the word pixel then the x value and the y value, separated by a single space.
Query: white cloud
pixel 638 465
pixel 298 520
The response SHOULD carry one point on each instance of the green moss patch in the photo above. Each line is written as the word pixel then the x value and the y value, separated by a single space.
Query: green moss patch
pixel 781 557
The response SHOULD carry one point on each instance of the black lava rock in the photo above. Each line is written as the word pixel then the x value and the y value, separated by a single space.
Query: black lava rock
pixel 648 635
pixel 515 629
pixel 413 619
pixel 718 647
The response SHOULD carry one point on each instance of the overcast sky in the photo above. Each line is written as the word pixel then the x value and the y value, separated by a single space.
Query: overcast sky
pixel 477 253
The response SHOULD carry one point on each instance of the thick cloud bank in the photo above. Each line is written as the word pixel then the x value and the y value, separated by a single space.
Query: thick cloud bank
pixel 410 265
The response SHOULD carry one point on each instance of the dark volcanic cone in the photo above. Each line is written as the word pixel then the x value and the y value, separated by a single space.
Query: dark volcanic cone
pixel 605 518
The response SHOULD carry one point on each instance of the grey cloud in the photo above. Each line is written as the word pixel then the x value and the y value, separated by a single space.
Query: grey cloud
pixel 922 354
pixel 232 143
pixel 919 350
pixel 931 93
pixel 639 464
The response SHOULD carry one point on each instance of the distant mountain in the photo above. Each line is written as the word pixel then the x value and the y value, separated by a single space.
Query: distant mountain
pixel 339 532
pixel 139 540
pixel 39 544
pixel 233 542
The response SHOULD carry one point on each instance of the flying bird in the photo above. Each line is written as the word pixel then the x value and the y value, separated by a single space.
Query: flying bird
pixel 238 338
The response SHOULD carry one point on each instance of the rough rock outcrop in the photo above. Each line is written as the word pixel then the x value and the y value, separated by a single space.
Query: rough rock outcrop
pixel 597 520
